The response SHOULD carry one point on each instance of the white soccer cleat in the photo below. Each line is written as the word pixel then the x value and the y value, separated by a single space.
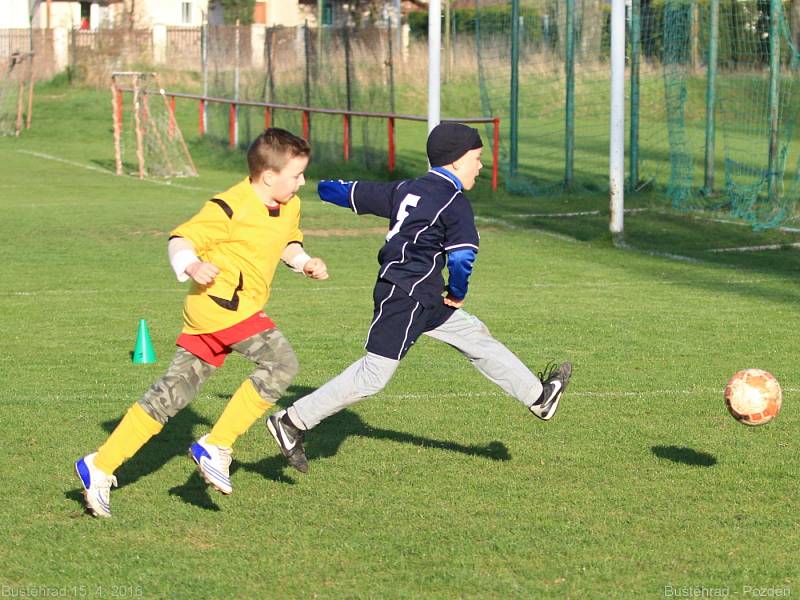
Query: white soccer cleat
pixel 96 486
pixel 213 463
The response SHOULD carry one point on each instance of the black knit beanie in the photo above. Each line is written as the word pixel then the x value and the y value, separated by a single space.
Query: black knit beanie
pixel 448 142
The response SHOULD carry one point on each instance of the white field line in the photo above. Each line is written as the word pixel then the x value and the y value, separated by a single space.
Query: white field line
pixel 97 169
pixel 176 290
pixel 579 394
pixel 687 259
pixel 583 213
pixel 757 248
pixel 509 225
pixel 589 285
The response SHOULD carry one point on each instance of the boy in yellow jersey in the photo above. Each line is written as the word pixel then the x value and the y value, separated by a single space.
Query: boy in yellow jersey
pixel 230 250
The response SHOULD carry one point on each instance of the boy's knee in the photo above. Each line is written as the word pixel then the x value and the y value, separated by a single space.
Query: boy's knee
pixel 375 373
pixel 167 397
pixel 272 380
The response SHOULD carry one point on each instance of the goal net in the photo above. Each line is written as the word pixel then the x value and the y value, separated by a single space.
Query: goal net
pixel 147 139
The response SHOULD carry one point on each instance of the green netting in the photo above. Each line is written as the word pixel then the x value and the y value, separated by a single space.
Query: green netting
pixel 335 69
pixel 563 98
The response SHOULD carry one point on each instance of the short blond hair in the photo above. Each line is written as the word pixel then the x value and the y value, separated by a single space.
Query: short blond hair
pixel 273 149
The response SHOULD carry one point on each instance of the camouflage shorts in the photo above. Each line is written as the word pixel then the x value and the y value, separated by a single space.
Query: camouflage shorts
pixel 276 367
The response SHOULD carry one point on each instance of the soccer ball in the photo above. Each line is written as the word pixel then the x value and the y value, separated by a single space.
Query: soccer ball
pixel 753 396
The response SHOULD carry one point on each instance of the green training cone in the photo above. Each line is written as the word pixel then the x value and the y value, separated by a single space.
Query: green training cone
pixel 143 353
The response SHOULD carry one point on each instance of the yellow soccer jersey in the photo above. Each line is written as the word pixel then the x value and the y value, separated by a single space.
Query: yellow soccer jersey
pixel 236 232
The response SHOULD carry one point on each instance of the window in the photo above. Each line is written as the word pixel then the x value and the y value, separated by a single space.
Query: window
pixel 186 13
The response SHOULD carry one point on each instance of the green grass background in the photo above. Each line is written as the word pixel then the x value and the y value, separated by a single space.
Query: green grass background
pixel 438 487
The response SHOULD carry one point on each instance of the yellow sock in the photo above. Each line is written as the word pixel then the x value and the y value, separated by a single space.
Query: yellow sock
pixel 242 411
pixel 131 434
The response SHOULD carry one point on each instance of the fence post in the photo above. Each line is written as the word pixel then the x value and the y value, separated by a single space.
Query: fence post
pixel 774 98
pixel 346 139
pixel 569 141
pixel 390 65
pixel 513 111
pixel 232 141
pixel 348 70
pixel 267 117
pixel 711 97
pixel 171 123
pixel 636 32
pixel 257 35
pixel 201 118
pixel 116 106
pixel 391 144
pixel 60 48
pixel 159 44
pixel 306 126
pixel 234 115
pixel 308 72
pixel 204 61
pixel 495 151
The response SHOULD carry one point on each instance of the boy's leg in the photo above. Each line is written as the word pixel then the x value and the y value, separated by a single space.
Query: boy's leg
pixel 276 367
pixel 497 363
pixel 143 420
pixel 163 400
pixel 365 377
pixel 397 321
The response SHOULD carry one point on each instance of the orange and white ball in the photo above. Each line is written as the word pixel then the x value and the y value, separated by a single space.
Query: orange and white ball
pixel 753 396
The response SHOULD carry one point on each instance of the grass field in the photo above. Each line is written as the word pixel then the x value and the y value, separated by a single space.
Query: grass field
pixel 440 486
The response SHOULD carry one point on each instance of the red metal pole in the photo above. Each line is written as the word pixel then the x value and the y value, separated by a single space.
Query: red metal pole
pixel 495 153
pixel 391 144
pixel 119 108
pixel 171 126
pixel 267 117
pixel 346 123
pixel 201 121
pixel 232 126
pixel 306 132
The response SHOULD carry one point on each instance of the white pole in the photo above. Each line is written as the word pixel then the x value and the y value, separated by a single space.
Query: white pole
pixel 617 133
pixel 434 61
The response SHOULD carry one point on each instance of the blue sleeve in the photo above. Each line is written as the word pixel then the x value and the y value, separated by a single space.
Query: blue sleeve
pixel 335 191
pixel 459 265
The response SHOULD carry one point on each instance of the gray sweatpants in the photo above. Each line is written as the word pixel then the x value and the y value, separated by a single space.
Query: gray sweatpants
pixel 371 373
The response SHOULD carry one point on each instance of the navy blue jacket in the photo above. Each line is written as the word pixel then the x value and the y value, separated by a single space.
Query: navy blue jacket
pixel 430 220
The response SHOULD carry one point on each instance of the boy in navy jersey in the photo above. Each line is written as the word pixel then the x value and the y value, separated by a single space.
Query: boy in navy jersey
pixel 431 226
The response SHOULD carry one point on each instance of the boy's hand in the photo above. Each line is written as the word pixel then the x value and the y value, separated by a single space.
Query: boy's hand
pixel 450 300
pixel 316 268
pixel 202 273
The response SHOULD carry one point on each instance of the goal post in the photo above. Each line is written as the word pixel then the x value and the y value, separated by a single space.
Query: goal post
pixel 152 143
pixel 617 121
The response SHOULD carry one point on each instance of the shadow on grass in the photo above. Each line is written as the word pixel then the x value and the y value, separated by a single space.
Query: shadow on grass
pixel 684 456
pixel 324 442
pixel 325 439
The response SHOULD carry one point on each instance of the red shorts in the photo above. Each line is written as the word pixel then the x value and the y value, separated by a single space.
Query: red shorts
pixel 214 348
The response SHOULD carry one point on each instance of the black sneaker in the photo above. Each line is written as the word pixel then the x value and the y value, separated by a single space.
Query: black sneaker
pixel 289 439
pixel 554 381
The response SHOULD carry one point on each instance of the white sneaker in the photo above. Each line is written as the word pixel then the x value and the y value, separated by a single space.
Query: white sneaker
pixel 96 486
pixel 214 463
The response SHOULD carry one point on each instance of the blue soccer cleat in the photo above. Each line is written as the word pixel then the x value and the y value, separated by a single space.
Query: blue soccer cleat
pixel 96 486
pixel 213 463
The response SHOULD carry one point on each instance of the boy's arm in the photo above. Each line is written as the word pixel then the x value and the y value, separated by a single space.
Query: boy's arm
pixel 459 266
pixel 461 244
pixel 295 257
pixel 186 264
pixel 362 197
pixel 211 225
